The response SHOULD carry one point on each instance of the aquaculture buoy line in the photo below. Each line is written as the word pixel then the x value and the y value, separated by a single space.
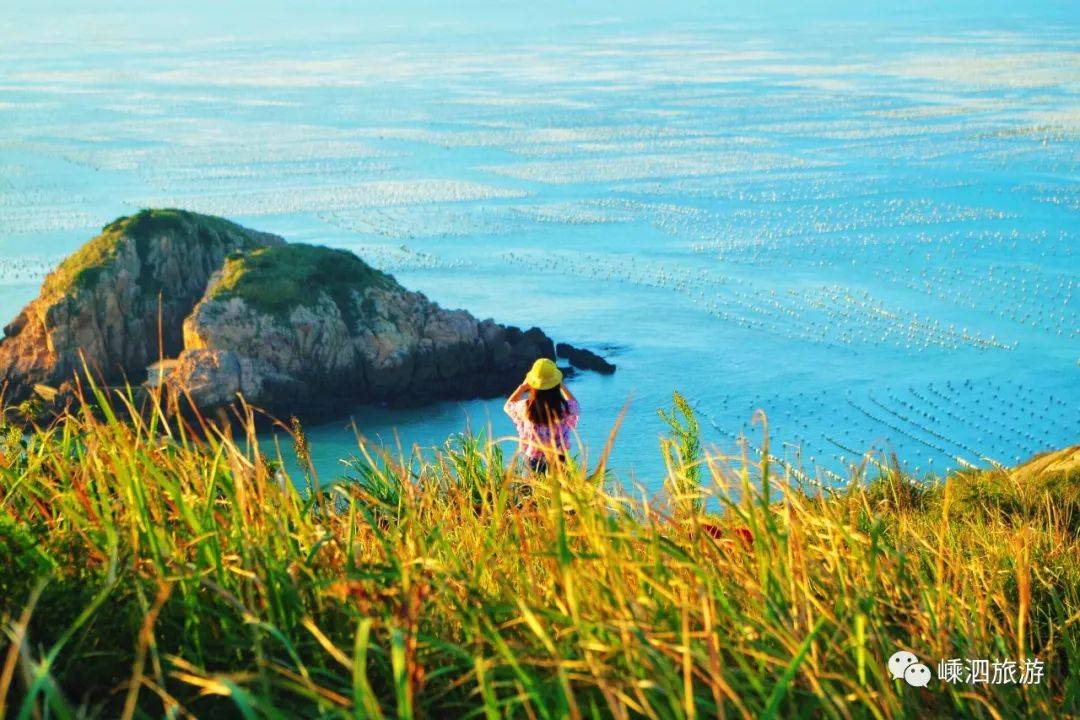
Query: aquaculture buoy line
pixel 791 468
pixel 1003 426
pixel 876 238
pixel 1043 303
pixel 846 319
pixel 27 269
pixel 829 315
pixel 899 425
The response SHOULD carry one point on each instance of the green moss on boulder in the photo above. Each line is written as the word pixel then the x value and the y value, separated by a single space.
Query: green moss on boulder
pixel 81 269
pixel 277 279
pixel 119 302
pixel 314 329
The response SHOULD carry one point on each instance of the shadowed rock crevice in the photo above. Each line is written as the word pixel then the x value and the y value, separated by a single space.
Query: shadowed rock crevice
pixel 297 329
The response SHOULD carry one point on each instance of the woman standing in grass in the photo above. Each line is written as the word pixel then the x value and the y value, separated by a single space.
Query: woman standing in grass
pixel 545 418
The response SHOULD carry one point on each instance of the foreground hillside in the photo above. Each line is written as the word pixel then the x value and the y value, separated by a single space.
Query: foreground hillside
pixel 144 573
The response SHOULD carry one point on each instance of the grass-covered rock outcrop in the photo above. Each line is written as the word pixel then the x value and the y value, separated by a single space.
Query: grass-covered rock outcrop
pixel 117 304
pixel 278 279
pixel 303 325
pixel 294 328
pixel 81 269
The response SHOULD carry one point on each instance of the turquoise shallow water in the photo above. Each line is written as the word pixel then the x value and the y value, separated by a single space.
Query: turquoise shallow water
pixel 862 220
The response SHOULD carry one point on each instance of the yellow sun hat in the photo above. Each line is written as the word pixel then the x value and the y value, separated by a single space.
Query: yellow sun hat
pixel 544 375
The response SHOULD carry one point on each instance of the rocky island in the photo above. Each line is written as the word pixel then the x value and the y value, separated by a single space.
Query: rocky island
pixel 215 311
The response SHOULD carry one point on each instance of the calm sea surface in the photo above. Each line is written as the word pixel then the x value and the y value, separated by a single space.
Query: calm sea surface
pixel 866 223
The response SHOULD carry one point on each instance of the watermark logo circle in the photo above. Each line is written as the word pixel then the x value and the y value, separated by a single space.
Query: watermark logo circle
pixel 899 662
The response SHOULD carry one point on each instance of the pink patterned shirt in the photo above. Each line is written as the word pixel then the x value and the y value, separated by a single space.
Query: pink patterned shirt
pixel 535 439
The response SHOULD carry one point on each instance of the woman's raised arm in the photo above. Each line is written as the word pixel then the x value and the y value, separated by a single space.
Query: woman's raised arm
pixel 515 396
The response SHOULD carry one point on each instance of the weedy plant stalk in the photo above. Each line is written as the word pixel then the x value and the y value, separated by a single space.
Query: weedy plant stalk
pixel 159 566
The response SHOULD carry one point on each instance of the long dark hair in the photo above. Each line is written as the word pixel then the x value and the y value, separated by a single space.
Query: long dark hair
pixel 545 407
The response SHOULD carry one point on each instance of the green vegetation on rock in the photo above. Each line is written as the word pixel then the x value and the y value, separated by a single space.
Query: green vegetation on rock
pixel 81 269
pixel 277 279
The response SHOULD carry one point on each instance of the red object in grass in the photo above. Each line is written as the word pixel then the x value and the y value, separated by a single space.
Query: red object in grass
pixel 714 531
pixel 718 533
pixel 744 534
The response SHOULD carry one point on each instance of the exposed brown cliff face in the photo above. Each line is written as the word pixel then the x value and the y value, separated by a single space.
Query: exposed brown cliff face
pixel 296 329
pixel 350 332
pixel 106 299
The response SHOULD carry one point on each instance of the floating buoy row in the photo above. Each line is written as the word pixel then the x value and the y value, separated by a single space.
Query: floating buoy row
pixel 26 269
pixel 1042 302
pixel 963 423
pixel 829 316
pixel 889 247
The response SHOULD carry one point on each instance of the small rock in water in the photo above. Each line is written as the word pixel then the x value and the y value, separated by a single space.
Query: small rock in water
pixel 584 359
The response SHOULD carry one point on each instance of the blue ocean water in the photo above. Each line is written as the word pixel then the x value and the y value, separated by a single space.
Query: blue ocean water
pixel 860 219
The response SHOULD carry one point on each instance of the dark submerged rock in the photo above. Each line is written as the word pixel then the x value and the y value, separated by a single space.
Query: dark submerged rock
pixel 584 359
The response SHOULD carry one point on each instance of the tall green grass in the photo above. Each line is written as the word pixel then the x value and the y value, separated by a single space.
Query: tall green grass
pixel 156 567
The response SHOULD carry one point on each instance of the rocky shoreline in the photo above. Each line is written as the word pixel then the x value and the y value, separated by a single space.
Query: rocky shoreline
pixel 215 312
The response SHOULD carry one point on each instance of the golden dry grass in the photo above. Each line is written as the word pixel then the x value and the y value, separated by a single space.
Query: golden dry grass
pixel 150 571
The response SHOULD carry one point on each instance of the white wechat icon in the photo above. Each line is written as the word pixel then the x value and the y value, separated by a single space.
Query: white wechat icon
pixel 917 675
pixel 899 662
